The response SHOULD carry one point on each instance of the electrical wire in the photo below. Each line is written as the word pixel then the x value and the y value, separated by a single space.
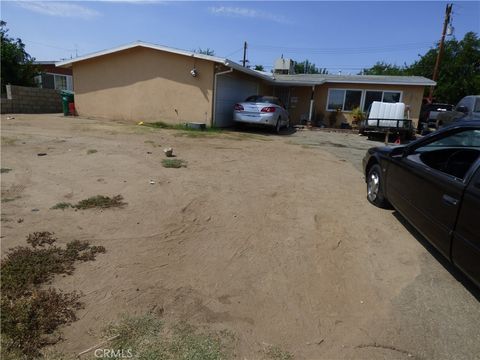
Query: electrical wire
pixel 51 46
pixel 234 52
pixel 341 51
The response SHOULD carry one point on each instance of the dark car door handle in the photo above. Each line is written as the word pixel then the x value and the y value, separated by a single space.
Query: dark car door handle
pixel 447 199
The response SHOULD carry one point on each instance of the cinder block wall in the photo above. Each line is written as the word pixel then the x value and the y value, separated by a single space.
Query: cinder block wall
pixel 30 100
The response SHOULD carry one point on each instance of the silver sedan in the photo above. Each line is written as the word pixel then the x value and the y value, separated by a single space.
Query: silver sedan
pixel 262 110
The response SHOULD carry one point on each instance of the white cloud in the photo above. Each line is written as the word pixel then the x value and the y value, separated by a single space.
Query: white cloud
pixel 58 8
pixel 249 13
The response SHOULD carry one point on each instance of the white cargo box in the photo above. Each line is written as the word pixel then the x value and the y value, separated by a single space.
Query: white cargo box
pixel 386 114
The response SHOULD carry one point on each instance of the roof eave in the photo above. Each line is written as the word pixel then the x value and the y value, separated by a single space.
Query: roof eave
pixel 69 62
pixel 425 83
pixel 245 70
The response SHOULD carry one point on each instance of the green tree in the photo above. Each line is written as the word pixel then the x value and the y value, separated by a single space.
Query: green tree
pixel 17 64
pixel 459 72
pixel 259 68
pixel 383 68
pixel 206 51
pixel 306 67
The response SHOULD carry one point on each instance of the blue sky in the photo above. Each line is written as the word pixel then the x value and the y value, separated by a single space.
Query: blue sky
pixel 340 35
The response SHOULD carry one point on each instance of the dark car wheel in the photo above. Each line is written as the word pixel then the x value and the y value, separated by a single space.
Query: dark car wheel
pixel 375 187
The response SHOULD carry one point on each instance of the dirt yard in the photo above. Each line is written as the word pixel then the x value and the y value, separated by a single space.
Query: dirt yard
pixel 270 237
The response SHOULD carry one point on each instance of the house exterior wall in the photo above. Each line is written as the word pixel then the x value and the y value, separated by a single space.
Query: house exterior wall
pixel 411 95
pixel 299 106
pixel 143 84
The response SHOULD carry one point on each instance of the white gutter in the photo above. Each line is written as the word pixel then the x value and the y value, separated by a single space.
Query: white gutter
pixel 215 93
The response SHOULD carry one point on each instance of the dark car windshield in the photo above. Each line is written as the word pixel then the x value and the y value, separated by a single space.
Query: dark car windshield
pixel 263 99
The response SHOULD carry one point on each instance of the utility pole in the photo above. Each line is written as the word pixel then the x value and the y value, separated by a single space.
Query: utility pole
pixel 244 53
pixel 448 11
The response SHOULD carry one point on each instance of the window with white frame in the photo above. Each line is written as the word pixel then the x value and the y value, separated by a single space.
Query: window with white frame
pixel 380 95
pixel 343 99
pixel 60 82
pixel 349 99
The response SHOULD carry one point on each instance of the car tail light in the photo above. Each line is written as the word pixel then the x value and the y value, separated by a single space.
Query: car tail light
pixel 268 109
pixel 238 107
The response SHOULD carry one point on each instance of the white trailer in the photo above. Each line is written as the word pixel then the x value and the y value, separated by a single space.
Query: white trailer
pixel 388 118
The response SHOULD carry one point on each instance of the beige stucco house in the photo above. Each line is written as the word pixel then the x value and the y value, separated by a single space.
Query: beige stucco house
pixel 145 82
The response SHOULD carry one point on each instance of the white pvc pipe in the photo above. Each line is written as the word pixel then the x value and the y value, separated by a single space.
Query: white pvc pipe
pixel 310 113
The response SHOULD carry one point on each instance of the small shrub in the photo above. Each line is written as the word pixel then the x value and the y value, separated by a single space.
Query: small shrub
pixel 100 201
pixel 91 151
pixel 28 321
pixel 151 142
pixel 61 206
pixel 187 343
pixel 41 238
pixel 24 268
pixel 132 331
pixel 276 353
pixel 81 250
pixel 5 170
pixel 158 125
pixel 8 141
pixel 30 315
pixel 185 127
pixel 11 199
pixel 148 338
pixel 174 163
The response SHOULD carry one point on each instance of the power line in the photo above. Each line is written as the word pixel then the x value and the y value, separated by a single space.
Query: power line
pixel 346 48
pixel 332 66
pixel 341 51
pixel 234 52
pixel 51 46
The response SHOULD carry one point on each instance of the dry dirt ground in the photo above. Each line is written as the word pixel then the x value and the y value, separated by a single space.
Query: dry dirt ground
pixel 268 236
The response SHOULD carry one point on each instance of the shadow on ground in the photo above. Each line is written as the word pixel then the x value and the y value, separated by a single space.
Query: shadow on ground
pixel 262 130
pixel 454 271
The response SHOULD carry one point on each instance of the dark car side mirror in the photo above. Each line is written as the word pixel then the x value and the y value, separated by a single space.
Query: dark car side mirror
pixel 398 152
pixel 462 109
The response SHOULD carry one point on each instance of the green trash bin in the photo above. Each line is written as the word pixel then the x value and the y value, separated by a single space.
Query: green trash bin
pixel 67 97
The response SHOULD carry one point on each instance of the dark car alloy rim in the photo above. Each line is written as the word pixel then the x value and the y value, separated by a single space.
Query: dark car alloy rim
pixel 373 186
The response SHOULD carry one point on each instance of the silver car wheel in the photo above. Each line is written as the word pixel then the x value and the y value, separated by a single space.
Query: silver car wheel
pixel 373 186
